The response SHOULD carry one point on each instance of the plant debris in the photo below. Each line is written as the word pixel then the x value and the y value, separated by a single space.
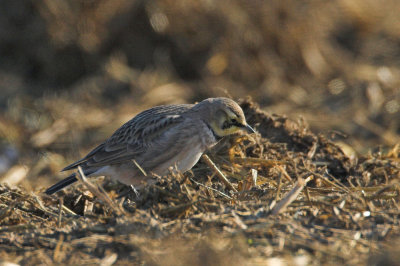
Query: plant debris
pixel 295 197
pixel 72 72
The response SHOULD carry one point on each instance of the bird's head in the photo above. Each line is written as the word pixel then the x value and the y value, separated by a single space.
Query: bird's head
pixel 225 116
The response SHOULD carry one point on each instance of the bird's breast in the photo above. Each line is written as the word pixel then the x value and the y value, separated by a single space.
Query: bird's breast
pixel 189 157
pixel 207 136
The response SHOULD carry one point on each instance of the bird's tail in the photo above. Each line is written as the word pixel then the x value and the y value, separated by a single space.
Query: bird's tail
pixel 62 184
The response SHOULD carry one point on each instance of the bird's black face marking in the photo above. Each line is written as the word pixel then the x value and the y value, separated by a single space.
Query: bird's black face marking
pixel 225 125
pixel 227 121
pixel 232 122
pixel 216 136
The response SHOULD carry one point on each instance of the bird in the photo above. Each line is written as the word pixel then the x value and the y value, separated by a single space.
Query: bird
pixel 158 139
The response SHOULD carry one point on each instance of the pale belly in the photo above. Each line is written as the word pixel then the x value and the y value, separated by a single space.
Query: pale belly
pixel 183 161
pixel 130 175
pixel 124 173
pixel 188 159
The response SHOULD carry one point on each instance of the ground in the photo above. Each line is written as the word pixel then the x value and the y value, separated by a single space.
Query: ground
pixel 317 184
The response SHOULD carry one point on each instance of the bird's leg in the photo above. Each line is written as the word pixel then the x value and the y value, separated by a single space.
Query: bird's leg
pixel 134 190
pixel 127 191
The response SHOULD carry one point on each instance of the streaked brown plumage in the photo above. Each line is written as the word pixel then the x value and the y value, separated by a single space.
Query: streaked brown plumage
pixel 158 138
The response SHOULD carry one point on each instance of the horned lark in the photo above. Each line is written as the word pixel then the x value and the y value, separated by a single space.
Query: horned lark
pixel 158 138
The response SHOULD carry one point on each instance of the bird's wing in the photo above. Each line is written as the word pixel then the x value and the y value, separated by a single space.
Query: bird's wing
pixel 134 137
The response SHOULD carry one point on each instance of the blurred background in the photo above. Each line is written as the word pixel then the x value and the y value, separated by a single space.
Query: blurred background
pixel 71 72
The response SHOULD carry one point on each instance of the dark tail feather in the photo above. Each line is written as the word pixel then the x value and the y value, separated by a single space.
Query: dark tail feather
pixel 62 184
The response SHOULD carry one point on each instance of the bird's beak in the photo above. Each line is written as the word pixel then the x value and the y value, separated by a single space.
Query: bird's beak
pixel 249 129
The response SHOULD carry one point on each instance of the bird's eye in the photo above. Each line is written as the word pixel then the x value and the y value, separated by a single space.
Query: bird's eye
pixel 236 123
pixel 229 123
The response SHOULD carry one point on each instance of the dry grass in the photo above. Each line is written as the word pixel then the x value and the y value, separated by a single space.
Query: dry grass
pixel 71 72
pixel 347 214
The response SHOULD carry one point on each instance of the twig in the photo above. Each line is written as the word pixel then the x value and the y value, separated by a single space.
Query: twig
pixel 259 161
pixel 61 203
pixel 308 195
pixel 279 186
pixel 238 221
pixel 387 188
pixel 254 175
pixel 220 175
pixel 285 174
pixel 58 247
pixel 140 168
pixel 213 189
pixel 249 182
pixel 100 194
pixel 326 180
pixel 109 260
pixel 291 196
pixel 312 151
pixel 42 208
pixel 67 210
pixel 336 180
